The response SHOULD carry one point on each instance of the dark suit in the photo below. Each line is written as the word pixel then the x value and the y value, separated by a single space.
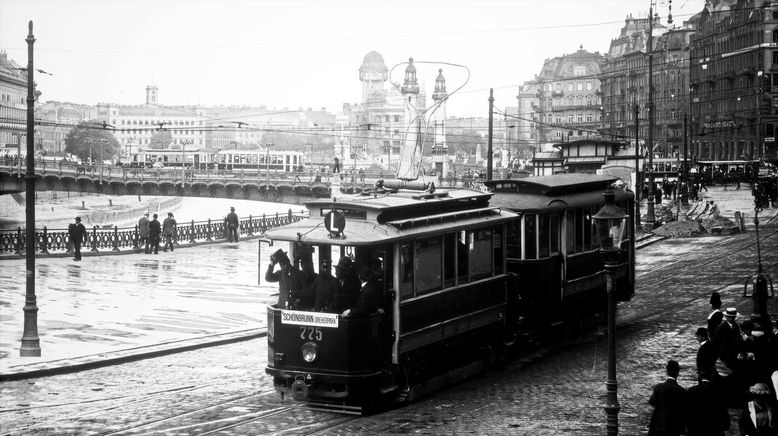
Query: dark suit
pixel 155 230
pixel 669 401
pixel 78 236
pixel 714 319
pixel 727 343
pixel 706 359
pixel 708 414
pixel 370 299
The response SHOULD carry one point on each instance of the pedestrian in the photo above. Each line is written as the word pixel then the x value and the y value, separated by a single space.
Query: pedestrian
pixel 706 355
pixel 143 232
pixel 169 229
pixel 759 416
pixel 155 230
pixel 727 342
pixel 283 277
pixel 716 316
pixel 669 401
pixel 232 225
pixel 77 233
pixel 707 411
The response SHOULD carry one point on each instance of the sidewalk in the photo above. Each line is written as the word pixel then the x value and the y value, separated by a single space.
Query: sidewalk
pixel 142 306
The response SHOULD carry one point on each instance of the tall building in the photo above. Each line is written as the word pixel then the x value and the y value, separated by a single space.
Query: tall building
pixel 566 100
pixel 734 75
pixel 13 105
pixel 439 149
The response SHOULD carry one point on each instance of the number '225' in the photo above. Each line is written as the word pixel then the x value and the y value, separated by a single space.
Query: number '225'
pixel 310 333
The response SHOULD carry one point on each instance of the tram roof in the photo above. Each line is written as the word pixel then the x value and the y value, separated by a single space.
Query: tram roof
pixel 396 216
pixel 561 191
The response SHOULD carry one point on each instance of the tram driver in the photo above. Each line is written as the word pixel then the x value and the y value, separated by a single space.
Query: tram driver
pixel 370 294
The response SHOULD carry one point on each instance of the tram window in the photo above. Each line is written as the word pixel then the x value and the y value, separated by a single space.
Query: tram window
pixel 554 231
pixel 428 265
pixel 462 256
pixel 530 251
pixel 449 259
pixel 497 248
pixel 570 234
pixel 579 234
pixel 514 239
pixel 544 235
pixel 480 253
pixel 406 272
pixel 587 229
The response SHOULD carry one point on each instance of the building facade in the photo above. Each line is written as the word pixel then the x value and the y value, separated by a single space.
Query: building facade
pixel 13 105
pixel 734 77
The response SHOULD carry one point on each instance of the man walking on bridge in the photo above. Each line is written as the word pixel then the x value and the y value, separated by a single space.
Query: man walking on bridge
pixel 232 226
pixel 78 235
pixel 143 232
pixel 169 230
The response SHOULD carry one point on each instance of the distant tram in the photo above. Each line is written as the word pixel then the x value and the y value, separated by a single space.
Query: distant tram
pixel 247 160
pixel 463 276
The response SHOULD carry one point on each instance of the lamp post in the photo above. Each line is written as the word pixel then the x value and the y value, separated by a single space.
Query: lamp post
pixel 650 218
pixel 103 141
pixel 31 346
pixel 610 221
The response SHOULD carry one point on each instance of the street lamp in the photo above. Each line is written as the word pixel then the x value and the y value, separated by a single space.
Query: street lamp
pixel 610 221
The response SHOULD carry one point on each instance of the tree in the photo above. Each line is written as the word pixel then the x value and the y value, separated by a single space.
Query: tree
pixel 88 138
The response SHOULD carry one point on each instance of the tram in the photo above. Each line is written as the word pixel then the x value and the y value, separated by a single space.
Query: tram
pixel 464 277
pixel 197 159
pixel 247 160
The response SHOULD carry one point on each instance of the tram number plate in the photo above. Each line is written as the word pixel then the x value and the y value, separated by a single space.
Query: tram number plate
pixel 310 333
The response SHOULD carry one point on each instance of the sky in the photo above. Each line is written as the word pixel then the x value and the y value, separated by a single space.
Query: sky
pixel 303 53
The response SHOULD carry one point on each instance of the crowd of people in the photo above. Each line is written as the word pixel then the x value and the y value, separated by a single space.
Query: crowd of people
pixel 151 232
pixel 353 291
pixel 737 368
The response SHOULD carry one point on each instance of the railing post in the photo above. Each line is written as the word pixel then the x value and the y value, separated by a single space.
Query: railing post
pixel 209 231
pixel 19 241
pixel 192 233
pixel 290 216
pixel 264 223
pixel 45 241
pixel 115 239
pixel 94 239
pixel 250 227
pixel 136 239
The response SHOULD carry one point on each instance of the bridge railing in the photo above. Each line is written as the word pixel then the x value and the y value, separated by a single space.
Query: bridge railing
pixel 49 241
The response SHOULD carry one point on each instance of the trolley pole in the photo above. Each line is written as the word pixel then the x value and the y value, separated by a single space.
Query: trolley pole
pixel 650 219
pixel 685 174
pixel 31 346
pixel 491 125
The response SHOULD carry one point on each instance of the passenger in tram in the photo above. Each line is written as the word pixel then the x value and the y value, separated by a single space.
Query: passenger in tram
pixel 283 276
pixel 324 288
pixel 302 285
pixel 348 286
pixel 370 294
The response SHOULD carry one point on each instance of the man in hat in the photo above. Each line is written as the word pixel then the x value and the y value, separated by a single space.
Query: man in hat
pixel 727 341
pixel 715 317
pixel 370 297
pixel 759 416
pixel 169 227
pixel 325 287
pixel 143 232
pixel 284 277
pixel 77 233
pixel 155 230
pixel 669 401
pixel 348 285
pixel 232 225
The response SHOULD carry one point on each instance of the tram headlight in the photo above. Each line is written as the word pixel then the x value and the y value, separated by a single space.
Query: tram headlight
pixel 310 351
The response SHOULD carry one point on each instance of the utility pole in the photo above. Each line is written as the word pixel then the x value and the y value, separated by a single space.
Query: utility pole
pixel 638 177
pixel 489 148
pixel 649 45
pixel 31 346
pixel 685 174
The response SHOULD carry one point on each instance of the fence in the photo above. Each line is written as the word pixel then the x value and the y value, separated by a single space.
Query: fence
pixel 116 239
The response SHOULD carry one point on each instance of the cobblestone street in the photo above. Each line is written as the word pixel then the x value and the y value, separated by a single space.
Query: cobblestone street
pixel 551 392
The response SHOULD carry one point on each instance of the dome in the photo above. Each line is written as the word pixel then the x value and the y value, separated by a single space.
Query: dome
pixel 373 63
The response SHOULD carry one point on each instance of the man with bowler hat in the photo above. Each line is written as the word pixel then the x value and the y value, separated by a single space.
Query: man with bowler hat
pixel 78 236
pixel 706 355
pixel 715 317
pixel 669 401
pixel 232 226
pixel 284 276
pixel 155 230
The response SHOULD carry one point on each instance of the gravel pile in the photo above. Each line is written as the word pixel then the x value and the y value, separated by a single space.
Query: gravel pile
pixel 680 229
pixel 717 221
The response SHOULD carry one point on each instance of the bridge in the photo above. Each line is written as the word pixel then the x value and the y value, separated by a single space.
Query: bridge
pixel 272 186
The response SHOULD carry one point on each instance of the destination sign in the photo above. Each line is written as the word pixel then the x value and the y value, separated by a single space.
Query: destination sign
pixel 720 124
pixel 311 319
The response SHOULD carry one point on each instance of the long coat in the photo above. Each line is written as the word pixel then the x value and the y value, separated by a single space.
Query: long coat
pixel 143 227
pixel 669 401
pixel 169 226
pixel 154 230
pixel 77 233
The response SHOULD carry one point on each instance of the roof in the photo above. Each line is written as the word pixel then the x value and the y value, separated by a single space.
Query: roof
pixel 549 185
pixel 373 63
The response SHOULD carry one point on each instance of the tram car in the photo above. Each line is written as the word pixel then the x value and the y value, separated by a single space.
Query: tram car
pixel 460 281
pixel 151 158
pixel 260 160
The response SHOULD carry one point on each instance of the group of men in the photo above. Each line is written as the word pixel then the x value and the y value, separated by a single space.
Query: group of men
pixel 151 232
pixel 351 292
pixel 737 368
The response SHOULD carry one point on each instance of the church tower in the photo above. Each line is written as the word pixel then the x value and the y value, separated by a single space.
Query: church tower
pixel 410 154
pixel 151 95
pixel 439 147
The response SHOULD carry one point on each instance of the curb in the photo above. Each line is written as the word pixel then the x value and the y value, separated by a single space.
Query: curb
pixel 26 371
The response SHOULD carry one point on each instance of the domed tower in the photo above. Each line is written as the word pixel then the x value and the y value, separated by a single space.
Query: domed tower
pixel 440 149
pixel 373 74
